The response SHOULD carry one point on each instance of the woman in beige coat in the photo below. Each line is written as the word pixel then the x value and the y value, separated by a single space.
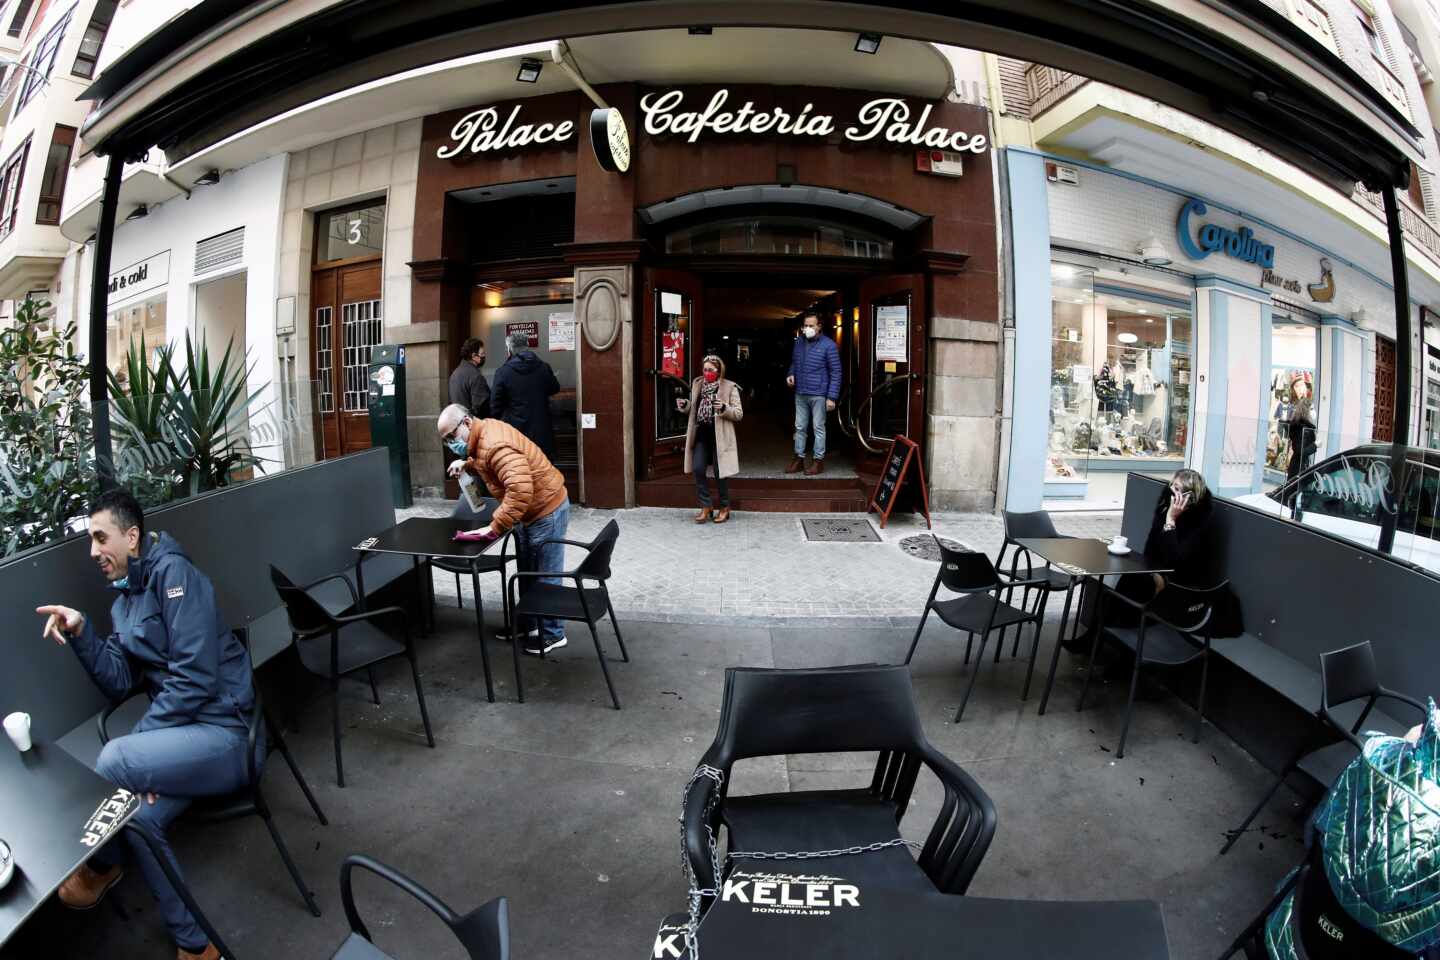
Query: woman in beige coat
pixel 714 407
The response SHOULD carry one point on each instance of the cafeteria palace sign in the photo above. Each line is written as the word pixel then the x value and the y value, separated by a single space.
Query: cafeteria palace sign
pixel 882 120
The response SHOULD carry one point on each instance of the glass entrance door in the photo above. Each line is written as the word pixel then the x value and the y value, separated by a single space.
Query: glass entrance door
pixel 672 333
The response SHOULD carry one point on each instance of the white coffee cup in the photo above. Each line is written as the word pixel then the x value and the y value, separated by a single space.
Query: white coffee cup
pixel 1120 543
pixel 17 725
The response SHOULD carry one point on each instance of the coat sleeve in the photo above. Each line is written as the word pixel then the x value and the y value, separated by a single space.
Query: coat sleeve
pixel 553 387
pixel 832 363
pixel 794 356
pixel 500 396
pixel 512 472
pixel 733 410
pixel 105 661
pixel 480 397
pixel 187 610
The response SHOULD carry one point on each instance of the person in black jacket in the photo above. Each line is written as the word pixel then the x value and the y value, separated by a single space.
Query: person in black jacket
pixel 467 384
pixel 523 388
pixel 167 638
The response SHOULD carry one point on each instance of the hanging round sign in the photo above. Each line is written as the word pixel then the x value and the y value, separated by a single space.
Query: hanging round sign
pixel 610 138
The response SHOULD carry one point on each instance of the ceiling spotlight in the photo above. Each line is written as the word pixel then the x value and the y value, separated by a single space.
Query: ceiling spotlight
pixel 1149 319
pixel 208 179
pixel 138 212
pixel 1153 252
pixel 1126 337
pixel 529 70
pixel 701 31
pixel 867 43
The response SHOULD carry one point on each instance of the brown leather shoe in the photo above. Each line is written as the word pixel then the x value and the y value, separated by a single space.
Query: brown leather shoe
pixel 209 953
pixel 84 888
pixel 795 465
pixel 703 516
pixel 815 466
pixel 722 515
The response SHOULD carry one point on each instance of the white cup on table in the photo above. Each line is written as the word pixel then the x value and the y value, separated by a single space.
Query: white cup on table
pixel 17 726
pixel 1121 543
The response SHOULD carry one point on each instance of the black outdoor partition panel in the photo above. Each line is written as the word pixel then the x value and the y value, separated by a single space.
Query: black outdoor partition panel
pixel 306 521
pixel 1303 592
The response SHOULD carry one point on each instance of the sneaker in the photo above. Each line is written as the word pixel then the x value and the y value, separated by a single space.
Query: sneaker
pixel 84 888
pixel 506 635
pixel 535 649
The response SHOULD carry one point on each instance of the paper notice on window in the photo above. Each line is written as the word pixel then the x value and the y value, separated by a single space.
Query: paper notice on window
pixel 562 331
pixel 671 303
pixel 892 333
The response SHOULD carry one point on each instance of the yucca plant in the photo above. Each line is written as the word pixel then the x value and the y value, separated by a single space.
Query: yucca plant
pixel 208 404
pixel 141 408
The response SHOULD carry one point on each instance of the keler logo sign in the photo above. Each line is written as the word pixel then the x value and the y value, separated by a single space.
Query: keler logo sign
pixel 801 896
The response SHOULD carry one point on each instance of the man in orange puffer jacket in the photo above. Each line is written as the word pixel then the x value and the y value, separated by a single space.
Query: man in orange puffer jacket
pixel 533 502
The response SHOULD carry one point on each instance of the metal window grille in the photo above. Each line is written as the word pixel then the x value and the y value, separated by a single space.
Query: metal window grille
pixel 325 358
pixel 362 332
pixel 220 250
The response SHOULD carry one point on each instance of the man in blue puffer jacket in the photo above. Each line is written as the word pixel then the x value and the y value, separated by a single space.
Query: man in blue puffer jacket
pixel 815 375
pixel 168 639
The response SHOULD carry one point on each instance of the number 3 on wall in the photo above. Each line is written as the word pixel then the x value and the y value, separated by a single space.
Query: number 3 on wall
pixel 357 232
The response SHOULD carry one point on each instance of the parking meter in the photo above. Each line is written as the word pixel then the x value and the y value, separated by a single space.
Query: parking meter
pixel 389 427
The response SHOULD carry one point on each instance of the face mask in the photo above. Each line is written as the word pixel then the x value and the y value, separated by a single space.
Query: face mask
pixel 123 583
pixel 711 376
pixel 458 445
pixel 810 333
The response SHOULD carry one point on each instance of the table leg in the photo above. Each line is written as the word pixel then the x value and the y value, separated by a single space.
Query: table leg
pixel 1055 656
pixel 480 635
pixel 360 579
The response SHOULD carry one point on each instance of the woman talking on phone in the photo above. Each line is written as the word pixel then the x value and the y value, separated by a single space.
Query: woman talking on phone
pixel 714 408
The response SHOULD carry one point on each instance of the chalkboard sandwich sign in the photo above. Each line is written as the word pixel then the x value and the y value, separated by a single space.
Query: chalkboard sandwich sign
pixel 904 453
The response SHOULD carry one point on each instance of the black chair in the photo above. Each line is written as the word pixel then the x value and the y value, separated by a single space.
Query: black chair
pixel 1346 676
pixel 1035 525
pixel 979 607
pixel 365 646
pixel 483 932
pixel 1174 631
pixel 578 602
pixel 863 708
pixel 468 519
pixel 248 801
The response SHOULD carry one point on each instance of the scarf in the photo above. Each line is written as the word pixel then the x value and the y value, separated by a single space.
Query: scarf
pixel 705 412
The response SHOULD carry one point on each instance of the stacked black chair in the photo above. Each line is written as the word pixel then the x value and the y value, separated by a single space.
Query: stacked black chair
pixel 248 801
pixel 365 646
pixel 483 932
pixel 832 710
pixel 1035 525
pixel 1174 631
pixel 979 607
pixel 1346 676
pixel 579 603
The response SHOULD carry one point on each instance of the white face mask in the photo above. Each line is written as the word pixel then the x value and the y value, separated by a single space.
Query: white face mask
pixel 810 333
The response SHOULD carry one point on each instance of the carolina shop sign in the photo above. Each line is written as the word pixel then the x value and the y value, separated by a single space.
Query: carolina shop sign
pixel 1198 242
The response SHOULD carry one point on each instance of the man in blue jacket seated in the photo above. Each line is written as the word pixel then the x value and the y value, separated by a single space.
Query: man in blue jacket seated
pixel 168 640
pixel 815 375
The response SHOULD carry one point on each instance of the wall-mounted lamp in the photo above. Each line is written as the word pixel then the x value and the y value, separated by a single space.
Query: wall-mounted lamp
pixel 1153 252
pixel 867 43
pixel 1358 317
pixel 529 70
pixel 137 213
pixel 208 179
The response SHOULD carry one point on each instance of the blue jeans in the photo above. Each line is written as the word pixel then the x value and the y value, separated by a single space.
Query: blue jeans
pixel 178 764
pixel 809 410
pixel 540 551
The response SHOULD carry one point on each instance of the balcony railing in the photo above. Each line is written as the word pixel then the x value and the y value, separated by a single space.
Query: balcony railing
pixel 1412 221
pixel 1048 86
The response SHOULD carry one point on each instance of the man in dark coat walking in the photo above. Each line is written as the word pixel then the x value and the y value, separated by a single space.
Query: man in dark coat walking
pixel 467 384
pixel 523 388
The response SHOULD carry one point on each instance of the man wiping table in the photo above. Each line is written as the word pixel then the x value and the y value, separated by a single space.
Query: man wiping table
pixel 167 639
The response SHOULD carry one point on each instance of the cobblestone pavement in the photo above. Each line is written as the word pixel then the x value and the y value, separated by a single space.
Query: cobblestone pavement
pixel 759 569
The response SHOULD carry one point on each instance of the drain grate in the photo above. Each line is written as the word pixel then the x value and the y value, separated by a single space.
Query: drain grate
pixel 923 546
pixel 840 531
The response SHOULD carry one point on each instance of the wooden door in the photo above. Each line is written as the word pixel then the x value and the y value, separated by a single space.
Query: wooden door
pixel 671 334
pixel 1384 389
pixel 345 324
pixel 890 350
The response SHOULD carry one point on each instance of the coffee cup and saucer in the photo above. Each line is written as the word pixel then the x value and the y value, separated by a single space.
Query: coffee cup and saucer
pixel 1119 546
pixel 7 863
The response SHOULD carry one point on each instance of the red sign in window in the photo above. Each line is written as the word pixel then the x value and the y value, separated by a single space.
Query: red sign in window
pixel 672 354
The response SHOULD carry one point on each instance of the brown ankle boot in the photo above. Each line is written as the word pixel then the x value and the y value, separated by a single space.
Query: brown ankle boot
pixel 795 465
pixel 703 516
pixel 816 466
pixel 723 515
pixel 84 888
pixel 209 953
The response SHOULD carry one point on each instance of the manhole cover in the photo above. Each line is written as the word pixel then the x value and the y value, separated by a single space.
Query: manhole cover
pixel 923 546
pixel 855 531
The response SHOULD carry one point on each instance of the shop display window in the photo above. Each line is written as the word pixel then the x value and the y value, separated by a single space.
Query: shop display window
pixel 127 324
pixel 1120 378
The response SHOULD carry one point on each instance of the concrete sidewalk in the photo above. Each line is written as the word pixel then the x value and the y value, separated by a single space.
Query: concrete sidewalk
pixel 759 569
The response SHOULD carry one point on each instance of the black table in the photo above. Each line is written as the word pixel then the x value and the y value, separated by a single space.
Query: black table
pixel 1084 559
pixel 857 921
pixel 422 538
pixel 55 812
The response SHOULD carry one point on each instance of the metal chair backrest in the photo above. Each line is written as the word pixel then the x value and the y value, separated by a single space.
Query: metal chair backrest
pixel 596 565
pixel 1034 525
pixel 306 614
pixel 483 932
pixel 966 571
pixel 1348 674
pixel 767 712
